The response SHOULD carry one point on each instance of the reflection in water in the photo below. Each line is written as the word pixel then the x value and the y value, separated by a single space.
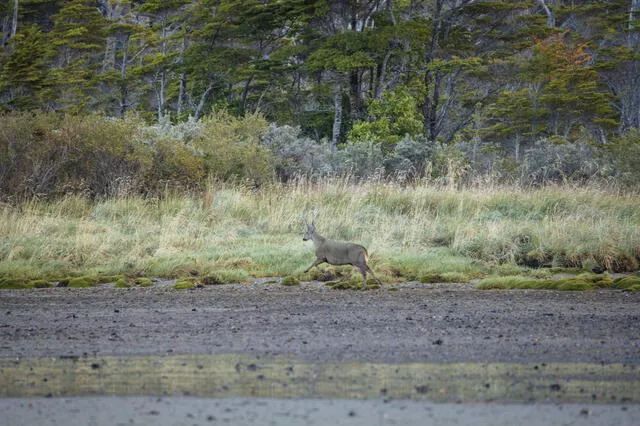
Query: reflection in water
pixel 282 377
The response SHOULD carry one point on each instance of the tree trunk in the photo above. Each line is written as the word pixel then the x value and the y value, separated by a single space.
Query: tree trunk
pixel 337 117
pixel 354 96
pixel 181 93
pixel 183 79
pixel 633 37
pixel 14 20
pixel 203 99
pixel 551 20
pixel 430 104
pixel 123 77
pixel 245 93
pixel 382 76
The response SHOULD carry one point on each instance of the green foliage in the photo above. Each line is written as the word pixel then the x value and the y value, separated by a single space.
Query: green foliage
pixel 25 69
pixel 625 153
pixel 231 148
pixel 47 155
pixel 392 117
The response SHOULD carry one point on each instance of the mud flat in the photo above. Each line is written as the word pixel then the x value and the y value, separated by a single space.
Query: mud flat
pixel 260 353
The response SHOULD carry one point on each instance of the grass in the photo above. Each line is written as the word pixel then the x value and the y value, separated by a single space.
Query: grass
pixel 422 232
pixel 578 282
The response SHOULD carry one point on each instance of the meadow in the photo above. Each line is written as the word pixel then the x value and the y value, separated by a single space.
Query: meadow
pixel 235 233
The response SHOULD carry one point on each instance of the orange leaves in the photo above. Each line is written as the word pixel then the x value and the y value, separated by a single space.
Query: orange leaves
pixel 559 57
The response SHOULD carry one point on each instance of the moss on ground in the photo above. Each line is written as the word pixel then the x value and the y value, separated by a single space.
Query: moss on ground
pixel 12 283
pixel 445 277
pixel 83 282
pixel 353 284
pixel 579 282
pixel 39 284
pixel 631 283
pixel 290 281
pixel 144 282
pixel 226 276
pixel 123 283
pixel 184 284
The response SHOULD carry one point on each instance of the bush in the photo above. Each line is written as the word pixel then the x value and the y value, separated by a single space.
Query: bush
pixel 360 159
pixel 410 157
pixel 548 162
pixel 44 155
pixel 296 155
pixel 231 148
pixel 625 153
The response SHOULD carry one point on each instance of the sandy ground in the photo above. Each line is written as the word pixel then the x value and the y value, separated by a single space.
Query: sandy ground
pixel 438 326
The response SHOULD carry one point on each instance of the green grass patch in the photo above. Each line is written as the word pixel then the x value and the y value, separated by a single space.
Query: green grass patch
pixel 12 283
pixel 122 283
pixel 631 283
pixel 229 276
pixel 143 282
pixel 39 284
pixel 82 282
pixel 290 281
pixel 184 284
pixel 353 284
pixel 579 282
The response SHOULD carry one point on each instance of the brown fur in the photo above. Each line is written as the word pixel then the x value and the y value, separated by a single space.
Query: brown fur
pixel 338 253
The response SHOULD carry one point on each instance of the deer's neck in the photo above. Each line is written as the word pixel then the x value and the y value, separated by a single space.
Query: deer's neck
pixel 318 240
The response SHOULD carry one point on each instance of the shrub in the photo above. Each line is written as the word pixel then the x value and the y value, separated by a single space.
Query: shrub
pixel 359 159
pixel 296 155
pixel 561 162
pixel 625 153
pixel 45 155
pixel 410 157
pixel 232 150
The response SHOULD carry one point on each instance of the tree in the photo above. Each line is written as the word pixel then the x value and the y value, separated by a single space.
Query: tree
pixel 166 18
pixel 570 88
pixel 24 73
pixel 77 39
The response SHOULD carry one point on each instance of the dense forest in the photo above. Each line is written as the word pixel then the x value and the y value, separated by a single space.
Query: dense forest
pixel 530 90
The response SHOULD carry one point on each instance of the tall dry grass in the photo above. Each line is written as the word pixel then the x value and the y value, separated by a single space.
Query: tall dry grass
pixel 411 231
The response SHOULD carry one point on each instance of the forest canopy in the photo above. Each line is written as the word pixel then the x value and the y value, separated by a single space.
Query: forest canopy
pixel 533 90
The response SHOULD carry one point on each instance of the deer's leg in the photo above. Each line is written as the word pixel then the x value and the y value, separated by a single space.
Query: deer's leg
pixel 374 275
pixel 316 263
pixel 363 271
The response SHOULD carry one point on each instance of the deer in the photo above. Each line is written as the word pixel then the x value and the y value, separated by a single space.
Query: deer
pixel 338 253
